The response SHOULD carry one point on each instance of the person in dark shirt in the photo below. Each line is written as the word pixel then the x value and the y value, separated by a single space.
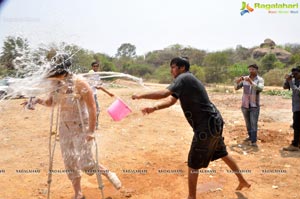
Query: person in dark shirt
pixel 292 81
pixel 202 115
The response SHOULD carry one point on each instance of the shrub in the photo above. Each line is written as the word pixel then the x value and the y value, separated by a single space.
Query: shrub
pixel 274 77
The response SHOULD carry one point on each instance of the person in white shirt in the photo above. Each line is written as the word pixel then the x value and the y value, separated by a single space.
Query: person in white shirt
pixel 95 83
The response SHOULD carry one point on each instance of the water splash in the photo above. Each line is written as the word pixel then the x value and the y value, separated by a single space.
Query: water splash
pixel 32 66
pixel 110 75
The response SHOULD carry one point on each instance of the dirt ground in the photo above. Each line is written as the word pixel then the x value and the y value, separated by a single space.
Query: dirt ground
pixel 149 153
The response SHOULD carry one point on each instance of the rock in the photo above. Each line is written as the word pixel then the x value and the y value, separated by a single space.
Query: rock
pixel 274 187
pixel 268 43
pixel 269 46
pixel 43 191
pixel 217 189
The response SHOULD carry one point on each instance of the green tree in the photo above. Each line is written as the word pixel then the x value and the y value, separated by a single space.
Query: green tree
pixel 81 58
pixel 81 61
pixel 268 62
pixel 292 48
pixel 14 53
pixel 216 66
pixel 159 57
pixel 105 61
pixel 140 70
pixel 274 77
pixel 195 56
pixel 295 59
pixel 241 53
pixel 237 70
pixel 126 50
pixel 162 74
pixel 199 72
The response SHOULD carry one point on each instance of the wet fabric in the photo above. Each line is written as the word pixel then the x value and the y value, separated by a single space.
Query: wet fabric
pixel 76 151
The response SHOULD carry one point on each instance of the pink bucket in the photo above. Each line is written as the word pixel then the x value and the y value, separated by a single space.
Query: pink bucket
pixel 118 110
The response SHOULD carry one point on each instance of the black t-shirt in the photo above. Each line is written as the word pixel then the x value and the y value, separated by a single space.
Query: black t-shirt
pixel 194 100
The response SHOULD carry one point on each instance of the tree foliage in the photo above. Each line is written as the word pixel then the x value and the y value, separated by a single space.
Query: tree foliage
pixel 210 67
pixel 267 62
pixel 237 70
pixel 126 50
pixel 199 72
pixel 13 47
pixel 162 74
pixel 216 66
pixel 274 77
pixel 295 59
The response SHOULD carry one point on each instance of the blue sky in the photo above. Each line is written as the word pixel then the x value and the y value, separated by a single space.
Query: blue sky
pixel 103 25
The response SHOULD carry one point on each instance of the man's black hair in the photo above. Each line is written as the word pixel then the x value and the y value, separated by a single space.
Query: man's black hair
pixel 253 66
pixel 180 62
pixel 95 63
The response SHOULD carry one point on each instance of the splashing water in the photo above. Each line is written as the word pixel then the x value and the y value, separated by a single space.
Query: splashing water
pixel 32 67
pixel 90 77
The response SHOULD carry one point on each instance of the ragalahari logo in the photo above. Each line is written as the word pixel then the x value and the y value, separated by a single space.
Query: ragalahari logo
pixel 246 8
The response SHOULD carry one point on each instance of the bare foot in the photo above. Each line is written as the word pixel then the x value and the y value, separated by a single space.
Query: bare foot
pixel 79 197
pixel 243 185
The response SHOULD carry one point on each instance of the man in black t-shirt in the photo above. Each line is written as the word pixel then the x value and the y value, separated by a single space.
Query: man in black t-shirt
pixel 206 121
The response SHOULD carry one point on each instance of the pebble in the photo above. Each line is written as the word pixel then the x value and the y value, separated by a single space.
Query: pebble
pixel 275 187
pixel 217 189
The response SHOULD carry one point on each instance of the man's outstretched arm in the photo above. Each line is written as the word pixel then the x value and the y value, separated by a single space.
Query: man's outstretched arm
pixel 153 95
pixel 164 104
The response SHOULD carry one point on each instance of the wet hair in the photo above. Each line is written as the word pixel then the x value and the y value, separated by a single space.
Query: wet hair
pixel 181 62
pixel 253 66
pixel 95 63
pixel 60 65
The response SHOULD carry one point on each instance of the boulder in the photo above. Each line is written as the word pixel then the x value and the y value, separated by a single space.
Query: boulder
pixel 269 46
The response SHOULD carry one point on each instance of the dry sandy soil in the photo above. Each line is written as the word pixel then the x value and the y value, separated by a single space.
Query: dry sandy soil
pixel 149 152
